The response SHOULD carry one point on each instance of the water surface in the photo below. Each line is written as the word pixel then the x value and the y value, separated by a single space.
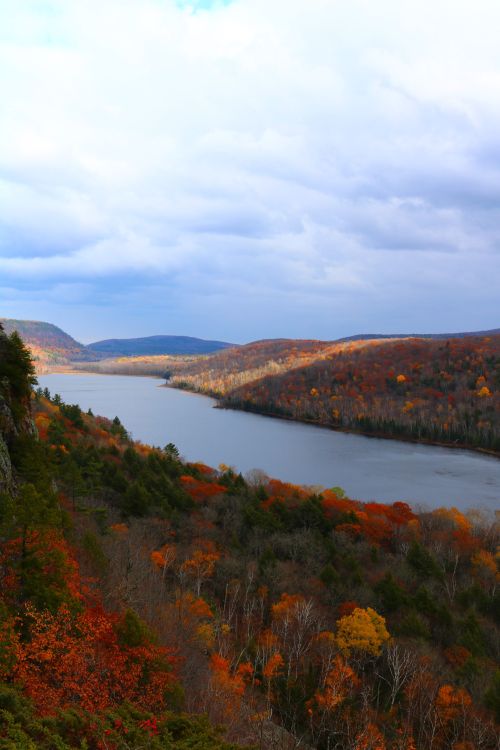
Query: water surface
pixel 367 468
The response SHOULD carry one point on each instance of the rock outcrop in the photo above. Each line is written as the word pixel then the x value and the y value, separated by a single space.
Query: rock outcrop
pixel 5 467
pixel 13 422
pixel 7 431
pixel 7 426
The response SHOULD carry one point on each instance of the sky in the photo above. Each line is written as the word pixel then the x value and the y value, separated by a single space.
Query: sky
pixel 251 168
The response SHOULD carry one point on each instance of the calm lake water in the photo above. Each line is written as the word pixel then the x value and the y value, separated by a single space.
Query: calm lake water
pixel 367 468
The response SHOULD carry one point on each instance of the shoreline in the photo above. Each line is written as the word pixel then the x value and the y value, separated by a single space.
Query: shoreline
pixel 68 371
pixel 353 431
pixel 345 430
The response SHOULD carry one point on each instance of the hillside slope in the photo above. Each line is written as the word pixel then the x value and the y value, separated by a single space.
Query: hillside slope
pixel 225 371
pixel 74 673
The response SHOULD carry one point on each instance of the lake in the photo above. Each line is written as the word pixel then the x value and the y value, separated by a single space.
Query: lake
pixel 367 468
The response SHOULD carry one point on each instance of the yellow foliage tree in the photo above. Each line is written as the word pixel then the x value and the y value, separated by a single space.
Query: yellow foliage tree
pixel 363 631
pixel 484 392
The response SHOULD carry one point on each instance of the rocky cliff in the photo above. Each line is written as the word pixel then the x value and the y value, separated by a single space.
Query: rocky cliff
pixel 7 426
pixel 7 429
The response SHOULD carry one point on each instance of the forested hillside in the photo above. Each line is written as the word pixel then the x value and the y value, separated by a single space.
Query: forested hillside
pixel 134 586
pixel 225 371
pixel 445 391
pixel 49 345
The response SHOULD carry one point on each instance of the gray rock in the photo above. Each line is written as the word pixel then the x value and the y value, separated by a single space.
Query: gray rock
pixel 7 425
pixel 6 480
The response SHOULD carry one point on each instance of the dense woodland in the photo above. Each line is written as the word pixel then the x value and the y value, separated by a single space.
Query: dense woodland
pixel 440 391
pixel 145 601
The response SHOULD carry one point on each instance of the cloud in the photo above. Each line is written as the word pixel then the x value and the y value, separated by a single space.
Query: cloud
pixel 308 158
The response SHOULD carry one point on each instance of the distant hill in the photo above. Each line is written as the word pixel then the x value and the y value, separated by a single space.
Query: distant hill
pixel 156 345
pixel 49 344
pixel 372 336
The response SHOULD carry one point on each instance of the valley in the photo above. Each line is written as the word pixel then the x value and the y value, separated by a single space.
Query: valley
pixel 434 389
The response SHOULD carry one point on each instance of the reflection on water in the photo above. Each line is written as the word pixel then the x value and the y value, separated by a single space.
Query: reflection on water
pixel 367 468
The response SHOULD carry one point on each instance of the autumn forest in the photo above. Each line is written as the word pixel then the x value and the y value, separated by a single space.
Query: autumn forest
pixel 249 375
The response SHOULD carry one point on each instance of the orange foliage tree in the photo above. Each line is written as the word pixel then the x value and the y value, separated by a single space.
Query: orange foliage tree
pixel 200 567
pixel 227 687
pixel 79 661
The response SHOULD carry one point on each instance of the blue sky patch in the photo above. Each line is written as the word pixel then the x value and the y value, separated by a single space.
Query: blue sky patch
pixel 197 5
